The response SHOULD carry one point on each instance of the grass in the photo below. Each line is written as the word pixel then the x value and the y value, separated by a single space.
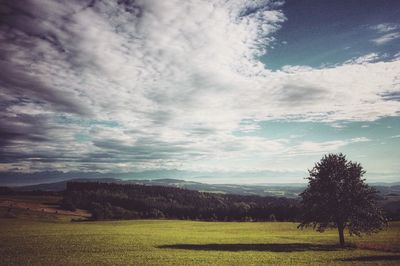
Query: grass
pixel 47 239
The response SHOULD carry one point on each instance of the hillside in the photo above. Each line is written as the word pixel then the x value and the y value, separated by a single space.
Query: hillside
pixel 128 201
pixel 287 190
pixel 279 190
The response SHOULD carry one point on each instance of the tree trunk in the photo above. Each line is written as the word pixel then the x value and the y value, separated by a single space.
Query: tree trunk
pixel 341 235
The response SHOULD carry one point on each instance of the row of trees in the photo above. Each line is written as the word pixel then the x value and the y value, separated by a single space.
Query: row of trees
pixel 117 201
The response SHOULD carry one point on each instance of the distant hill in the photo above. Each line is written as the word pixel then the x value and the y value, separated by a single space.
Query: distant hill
pixel 278 190
pixel 133 201
pixel 61 185
pixel 291 190
pixel 389 195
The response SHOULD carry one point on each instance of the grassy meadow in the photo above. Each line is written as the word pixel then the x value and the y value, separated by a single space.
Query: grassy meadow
pixel 32 238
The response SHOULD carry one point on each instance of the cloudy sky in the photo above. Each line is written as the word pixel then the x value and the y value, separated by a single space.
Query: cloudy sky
pixel 219 91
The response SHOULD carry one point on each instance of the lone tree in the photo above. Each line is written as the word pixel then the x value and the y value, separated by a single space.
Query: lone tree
pixel 338 197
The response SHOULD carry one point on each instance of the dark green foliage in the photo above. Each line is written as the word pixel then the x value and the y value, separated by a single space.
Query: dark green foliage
pixel 13 192
pixel 117 201
pixel 67 204
pixel 337 196
pixel 6 191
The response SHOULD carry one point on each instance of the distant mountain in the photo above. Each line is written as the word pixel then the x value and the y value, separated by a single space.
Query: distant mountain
pixel 385 184
pixel 11 178
pixel 61 185
pixel 279 190
pixel 291 190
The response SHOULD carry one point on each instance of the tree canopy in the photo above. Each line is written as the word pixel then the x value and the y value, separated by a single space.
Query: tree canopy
pixel 337 196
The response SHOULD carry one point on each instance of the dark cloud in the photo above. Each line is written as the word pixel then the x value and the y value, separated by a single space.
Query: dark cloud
pixel 32 40
pixel 202 131
pixel 300 94
pixel 144 149
pixel 18 82
pixel 23 127
pixel 391 96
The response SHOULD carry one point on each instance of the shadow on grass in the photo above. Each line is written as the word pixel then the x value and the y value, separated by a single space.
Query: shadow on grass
pixel 292 247
pixel 373 258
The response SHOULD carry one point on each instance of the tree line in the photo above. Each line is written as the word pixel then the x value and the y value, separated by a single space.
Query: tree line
pixel 129 201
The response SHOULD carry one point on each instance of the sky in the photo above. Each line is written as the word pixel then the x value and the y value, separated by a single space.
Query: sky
pixel 216 91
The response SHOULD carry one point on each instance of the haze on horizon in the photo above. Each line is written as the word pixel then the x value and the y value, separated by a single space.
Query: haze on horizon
pixel 217 91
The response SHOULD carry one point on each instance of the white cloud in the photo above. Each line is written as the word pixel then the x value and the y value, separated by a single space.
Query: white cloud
pixel 385 27
pixel 368 58
pixel 178 78
pixel 323 147
pixel 386 38
pixel 389 31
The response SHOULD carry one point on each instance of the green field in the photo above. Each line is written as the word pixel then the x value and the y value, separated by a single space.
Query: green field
pixel 44 239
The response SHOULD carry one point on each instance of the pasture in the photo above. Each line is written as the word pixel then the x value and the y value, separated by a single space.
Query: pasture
pixel 34 238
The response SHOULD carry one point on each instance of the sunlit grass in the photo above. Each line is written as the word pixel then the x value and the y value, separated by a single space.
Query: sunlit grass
pixel 56 241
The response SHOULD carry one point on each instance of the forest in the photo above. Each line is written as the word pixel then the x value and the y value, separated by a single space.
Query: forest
pixel 132 201
pixel 128 201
